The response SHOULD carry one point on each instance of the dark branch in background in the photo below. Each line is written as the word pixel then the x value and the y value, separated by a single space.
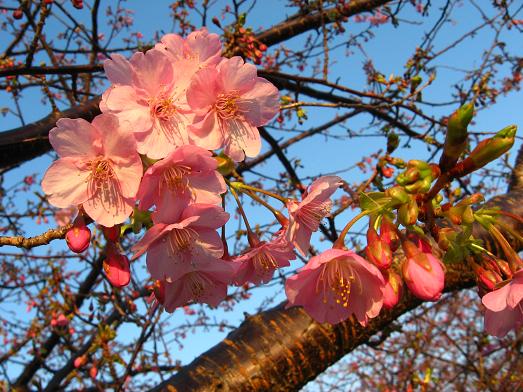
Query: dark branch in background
pixel 31 141
pixel 28 142
pixel 283 349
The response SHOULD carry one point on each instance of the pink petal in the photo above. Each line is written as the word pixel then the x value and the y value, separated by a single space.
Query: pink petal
pixel 236 75
pixel 73 138
pixel 206 133
pixel 125 103
pixel 119 70
pixel 202 91
pixel 64 184
pixel 261 103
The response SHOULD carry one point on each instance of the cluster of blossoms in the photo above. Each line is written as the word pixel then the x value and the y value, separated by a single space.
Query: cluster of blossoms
pixel 152 156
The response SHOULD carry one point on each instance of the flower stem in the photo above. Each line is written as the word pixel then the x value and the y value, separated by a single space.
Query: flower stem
pixel 340 242
pixel 241 185
pixel 250 236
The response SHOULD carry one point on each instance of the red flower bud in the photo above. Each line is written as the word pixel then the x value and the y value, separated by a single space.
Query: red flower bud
pixel 18 14
pixel 378 251
pixel 117 268
pixel 389 233
pixel 78 237
pixel 80 361
pixel 111 233
pixel 392 289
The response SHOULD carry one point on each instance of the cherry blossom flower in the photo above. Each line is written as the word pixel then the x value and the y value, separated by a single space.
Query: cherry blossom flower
pixel 423 273
pixel 336 284
pixel 117 267
pixel 149 93
pixel 504 307
pixel 98 168
pixel 199 50
pixel 258 264
pixel 230 102
pixel 188 240
pixel 207 284
pixel 189 172
pixel 305 217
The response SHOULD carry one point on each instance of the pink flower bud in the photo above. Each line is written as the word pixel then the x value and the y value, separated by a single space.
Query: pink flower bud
pixel 392 289
pixel 389 233
pixel 423 273
pixel 78 238
pixel 93 372
pixel 117 268
pixel 111 233
pixel 378 251
pixel 487 278
pixel 80 361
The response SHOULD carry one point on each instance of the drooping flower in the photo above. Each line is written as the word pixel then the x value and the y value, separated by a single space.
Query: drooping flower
pixel 258 264
pixel 98 168
pixel 199 50
pixel 189 173
pixel 117 267
pixel 206 285
pixel 305 217
pixel 187 241
pixel 149 93
pixel 230 102
pixel 78 237
pixel 423 273
pixel 336 284
pixel 504 307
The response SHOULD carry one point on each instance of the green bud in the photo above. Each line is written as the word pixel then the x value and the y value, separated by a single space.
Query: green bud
pixel 225 164
pixel 456 138
pixel 398 196
pixel 409 176
pixel 490 149
pixel 393 142
pixel 408 213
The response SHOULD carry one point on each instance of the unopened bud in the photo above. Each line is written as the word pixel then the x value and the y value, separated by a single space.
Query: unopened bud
pixel 408 213
pixel 80 361
pixel 216 21
pixel 18 13
pixel 393 142
pixel 456 138
pixel 78 237
pixel 111 233
pixel 398 195
pixel 487 278
pixel 378 251
pixel 389 233
pixel 490 149
pixel 117 268
pixel 225 164
pixel 392 289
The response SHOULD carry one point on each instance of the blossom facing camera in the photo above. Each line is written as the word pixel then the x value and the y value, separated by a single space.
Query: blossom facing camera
pixel 98 168
pixel 336 284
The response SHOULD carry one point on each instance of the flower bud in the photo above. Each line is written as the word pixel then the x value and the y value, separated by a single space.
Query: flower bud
pixel 487 278
pixel 225 164
pixel 446 236
pixel 423 273
pixel 378 251
pixel 111 233
pixel 389 233
pixel 408 213
pixel 398 195
pixel 18 13
pixel 392 289
pixel 78 237
pixel 159 291
pixel 393 142
pixel 456 138
pixel 490 149
pixel 80 361
pixel 117 268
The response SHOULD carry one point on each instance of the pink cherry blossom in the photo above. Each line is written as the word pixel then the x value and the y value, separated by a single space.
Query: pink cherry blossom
pixel 98 168
pixel 78 238
pixel 336 284
pixel 504 307
pixel 189 172
pixel 117 267
pixel 305 217
pixel 149 93
pixel 258 264
pixel 188 240
pixel 199 50
pixel 230 102
pixel 423 273
pixel 207 284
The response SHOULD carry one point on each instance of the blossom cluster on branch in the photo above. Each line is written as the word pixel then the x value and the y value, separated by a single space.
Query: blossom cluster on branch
pixel 153 156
